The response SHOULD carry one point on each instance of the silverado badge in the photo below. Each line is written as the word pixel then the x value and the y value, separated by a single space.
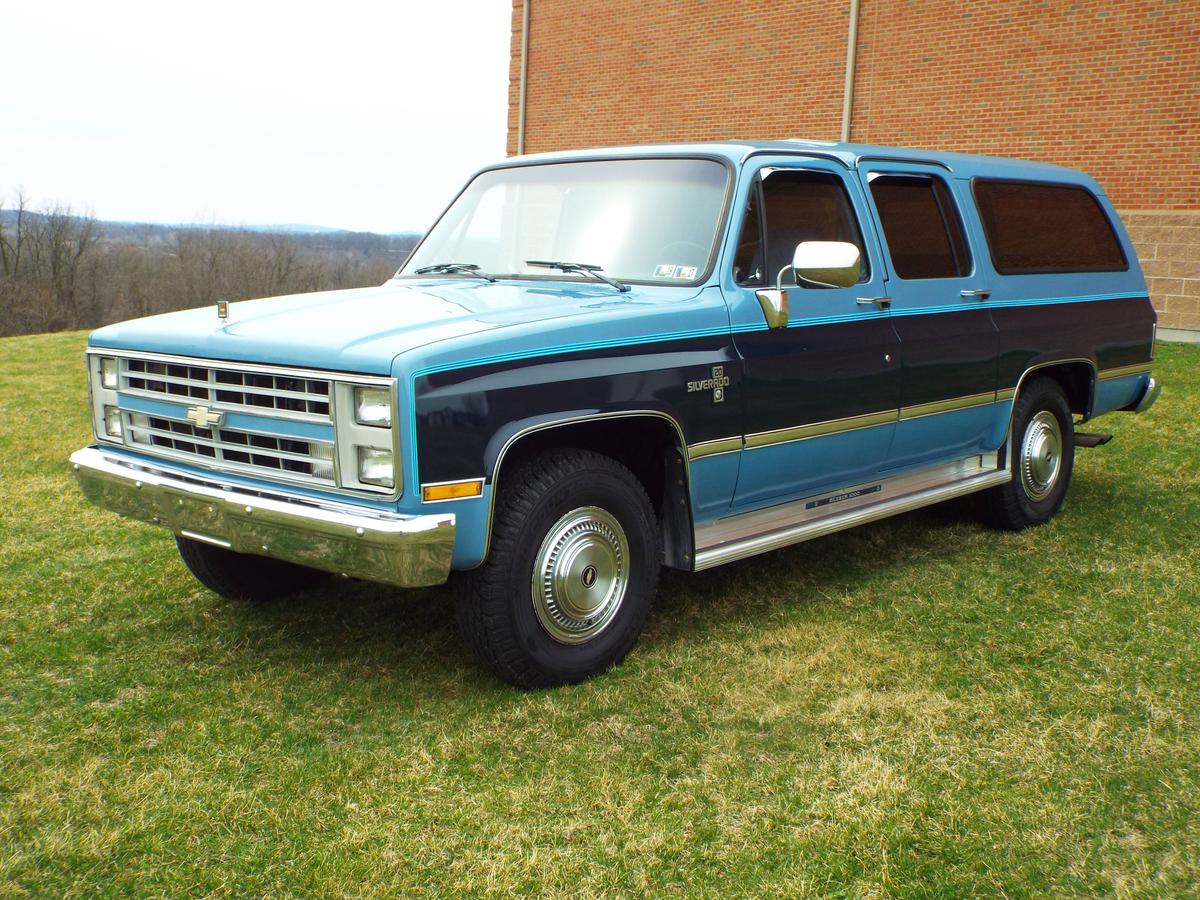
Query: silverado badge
pixel 717 384
pixel 203 417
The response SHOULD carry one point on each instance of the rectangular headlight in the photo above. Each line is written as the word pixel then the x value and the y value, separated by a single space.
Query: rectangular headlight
pixel 375 467
pixel 108 373
pixel 373 406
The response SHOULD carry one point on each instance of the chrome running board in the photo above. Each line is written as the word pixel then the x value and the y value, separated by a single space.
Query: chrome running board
pixel 737 537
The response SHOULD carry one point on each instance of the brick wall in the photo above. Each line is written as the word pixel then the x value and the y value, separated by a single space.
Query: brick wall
pixel 1109 87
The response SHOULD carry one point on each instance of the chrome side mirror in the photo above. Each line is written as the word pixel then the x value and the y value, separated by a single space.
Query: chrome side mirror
pixel 827 263
pixel 834 264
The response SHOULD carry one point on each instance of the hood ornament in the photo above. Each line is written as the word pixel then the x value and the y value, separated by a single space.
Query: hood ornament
pixel 222 310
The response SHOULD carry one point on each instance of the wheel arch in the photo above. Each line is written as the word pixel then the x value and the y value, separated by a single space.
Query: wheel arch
pixel 1076 376
pixel 625 436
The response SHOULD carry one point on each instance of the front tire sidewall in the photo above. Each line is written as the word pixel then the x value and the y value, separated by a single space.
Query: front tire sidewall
pixel 573 662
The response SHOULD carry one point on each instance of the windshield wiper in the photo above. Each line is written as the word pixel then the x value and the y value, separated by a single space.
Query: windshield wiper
pixel 581 268
pixel 457 268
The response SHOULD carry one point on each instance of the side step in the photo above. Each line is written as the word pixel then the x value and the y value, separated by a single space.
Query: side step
pixel 751 533
pixel 1091 439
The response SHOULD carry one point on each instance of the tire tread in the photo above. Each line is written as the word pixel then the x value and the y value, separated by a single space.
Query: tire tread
pixel 1005 506
pixel 482 594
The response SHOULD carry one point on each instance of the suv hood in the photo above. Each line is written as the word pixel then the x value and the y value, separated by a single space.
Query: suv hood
pixel 360 330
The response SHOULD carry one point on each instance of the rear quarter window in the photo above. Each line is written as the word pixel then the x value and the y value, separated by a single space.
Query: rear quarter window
pixel 1038 228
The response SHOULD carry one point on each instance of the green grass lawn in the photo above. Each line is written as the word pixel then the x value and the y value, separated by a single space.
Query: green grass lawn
pixel 918 707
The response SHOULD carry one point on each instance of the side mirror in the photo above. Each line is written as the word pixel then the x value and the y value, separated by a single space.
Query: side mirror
pixel 827 263
pixel 820 263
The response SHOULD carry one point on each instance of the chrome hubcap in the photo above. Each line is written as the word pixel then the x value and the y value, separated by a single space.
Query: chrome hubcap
pixel 580 575
pixel 1041 455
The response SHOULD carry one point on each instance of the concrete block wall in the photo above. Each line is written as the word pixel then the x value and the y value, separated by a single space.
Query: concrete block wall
pixel 1168 244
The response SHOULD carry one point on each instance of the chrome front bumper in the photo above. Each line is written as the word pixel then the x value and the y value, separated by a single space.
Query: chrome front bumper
pixel 409 551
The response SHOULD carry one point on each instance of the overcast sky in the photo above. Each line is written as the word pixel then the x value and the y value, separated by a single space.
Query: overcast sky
pixel 351 114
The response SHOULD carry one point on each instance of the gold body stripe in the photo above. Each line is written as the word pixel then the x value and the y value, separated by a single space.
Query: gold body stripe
pixel 940 406
pixel 1122 371
pixel 818 429
pixel 712 448
pixel 870 420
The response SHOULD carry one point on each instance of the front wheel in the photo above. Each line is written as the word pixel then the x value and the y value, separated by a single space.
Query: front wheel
pixel 1042 457
pixel 574 561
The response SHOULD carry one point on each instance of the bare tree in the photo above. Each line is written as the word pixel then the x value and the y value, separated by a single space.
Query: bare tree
pixel 62 270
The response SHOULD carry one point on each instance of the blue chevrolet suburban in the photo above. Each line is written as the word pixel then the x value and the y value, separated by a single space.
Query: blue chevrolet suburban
pixel 599 363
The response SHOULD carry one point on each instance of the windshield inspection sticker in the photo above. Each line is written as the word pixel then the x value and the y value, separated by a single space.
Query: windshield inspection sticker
pixel 666 270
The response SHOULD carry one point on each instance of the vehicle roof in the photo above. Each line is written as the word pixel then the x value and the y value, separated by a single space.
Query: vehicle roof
pixel 849 155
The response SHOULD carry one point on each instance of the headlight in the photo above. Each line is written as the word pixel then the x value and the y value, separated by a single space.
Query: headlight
pixel 375 467
pixel 373 406
pixel 112 421
pixel 108 373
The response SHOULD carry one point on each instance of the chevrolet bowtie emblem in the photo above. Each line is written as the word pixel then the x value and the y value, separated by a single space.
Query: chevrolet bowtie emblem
pixel 203 417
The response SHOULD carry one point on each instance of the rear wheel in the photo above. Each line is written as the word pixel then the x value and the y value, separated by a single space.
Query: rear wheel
pixel 573 566
pixel 1042 457
pixel 241 576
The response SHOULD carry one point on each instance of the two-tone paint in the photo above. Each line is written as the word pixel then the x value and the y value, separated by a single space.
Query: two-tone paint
pixel 847 392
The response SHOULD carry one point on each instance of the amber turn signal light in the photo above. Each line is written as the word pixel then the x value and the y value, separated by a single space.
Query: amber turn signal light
pixel 452 490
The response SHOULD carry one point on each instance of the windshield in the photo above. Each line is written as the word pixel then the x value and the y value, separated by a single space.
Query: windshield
pixel 649 220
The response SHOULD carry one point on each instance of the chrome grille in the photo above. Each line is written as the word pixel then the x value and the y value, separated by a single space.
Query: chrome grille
pixel 309 459
pixel 228 387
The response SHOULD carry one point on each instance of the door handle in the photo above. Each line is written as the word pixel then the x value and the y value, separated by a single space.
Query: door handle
pixel 981 294
pixel 881 302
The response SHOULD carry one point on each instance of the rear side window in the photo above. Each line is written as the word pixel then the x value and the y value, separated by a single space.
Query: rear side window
pixel 923 232
pixel 1037 228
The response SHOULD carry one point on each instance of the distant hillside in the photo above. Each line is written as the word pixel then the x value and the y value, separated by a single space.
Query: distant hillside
pixel 392 247
pixel 59 270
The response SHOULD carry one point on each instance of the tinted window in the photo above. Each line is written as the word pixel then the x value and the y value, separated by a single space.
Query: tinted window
pixel 923 232
pixel 1034 227
pixel 805 206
